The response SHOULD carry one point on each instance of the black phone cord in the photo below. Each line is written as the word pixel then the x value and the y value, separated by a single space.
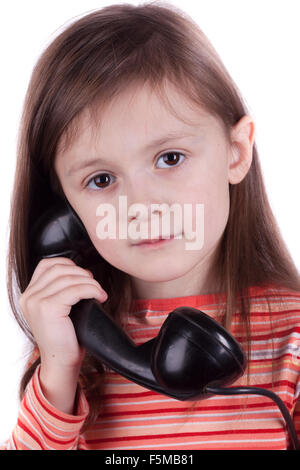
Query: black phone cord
pixel 267 393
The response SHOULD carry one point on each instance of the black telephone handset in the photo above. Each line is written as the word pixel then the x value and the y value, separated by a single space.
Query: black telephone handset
pixel 191 358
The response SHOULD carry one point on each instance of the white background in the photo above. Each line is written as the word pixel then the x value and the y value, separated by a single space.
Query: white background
pixel 258 42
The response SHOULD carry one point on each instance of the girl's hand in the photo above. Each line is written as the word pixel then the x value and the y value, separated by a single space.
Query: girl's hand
pixel 57 284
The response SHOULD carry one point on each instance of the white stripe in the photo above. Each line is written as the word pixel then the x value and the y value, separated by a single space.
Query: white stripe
pixel 288 369
pixel 269 354
pixel 206 415
pixel 297 393
pixel 12 444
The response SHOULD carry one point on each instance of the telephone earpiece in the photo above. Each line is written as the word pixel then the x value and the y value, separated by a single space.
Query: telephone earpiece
pixel 191 358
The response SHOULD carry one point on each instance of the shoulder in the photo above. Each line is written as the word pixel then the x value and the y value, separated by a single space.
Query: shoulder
pixel 279 298
pixel 279 306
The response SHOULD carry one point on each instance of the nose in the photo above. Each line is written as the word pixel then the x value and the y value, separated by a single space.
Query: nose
pixel 144 199
pixel 145 213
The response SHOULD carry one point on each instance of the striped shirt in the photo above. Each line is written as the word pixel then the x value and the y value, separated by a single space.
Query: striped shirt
pixel 134 417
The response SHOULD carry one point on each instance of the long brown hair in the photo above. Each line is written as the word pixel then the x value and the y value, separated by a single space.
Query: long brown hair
pixel 86 65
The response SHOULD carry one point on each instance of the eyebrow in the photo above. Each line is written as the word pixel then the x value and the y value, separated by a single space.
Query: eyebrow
pixel 154 143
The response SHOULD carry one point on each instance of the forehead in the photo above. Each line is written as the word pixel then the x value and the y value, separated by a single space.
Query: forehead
pixel 137 113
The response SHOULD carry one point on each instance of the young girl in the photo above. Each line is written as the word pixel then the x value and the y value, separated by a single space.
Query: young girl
pixel 134 101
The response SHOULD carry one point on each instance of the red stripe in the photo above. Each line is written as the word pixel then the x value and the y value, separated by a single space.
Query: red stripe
pixel 276 313
pixel 287 383
pixel 108 396
pixel 186 434
pixel 12 436
pixel 279 334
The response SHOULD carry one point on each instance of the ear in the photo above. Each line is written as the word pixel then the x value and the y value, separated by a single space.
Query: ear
pixel 241 149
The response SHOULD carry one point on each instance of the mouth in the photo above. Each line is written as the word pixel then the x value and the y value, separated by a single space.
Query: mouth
pixel 147 243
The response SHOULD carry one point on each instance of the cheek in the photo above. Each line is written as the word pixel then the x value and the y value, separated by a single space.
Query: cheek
pixel 216 209
pixel 106 248
pixel 216 212
pixel 103 232
pixel 116 252
pixel 211 190
pixel 91 221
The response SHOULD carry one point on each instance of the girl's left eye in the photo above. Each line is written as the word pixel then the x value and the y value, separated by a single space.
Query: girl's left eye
pixel 173 160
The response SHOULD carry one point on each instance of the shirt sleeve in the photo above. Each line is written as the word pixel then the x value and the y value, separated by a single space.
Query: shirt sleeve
pixel 41 426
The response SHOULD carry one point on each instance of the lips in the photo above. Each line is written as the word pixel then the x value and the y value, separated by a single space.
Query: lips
pixel 154 240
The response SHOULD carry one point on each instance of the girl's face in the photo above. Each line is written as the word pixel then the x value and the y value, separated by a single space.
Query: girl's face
pixel 194 168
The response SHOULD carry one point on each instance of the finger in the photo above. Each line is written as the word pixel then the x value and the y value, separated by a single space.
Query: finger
pixel 63 282
pixel 52 270
pixel 57 271
pixel 72 295
pixel 46 263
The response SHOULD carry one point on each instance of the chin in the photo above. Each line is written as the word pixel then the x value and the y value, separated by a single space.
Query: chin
pixel 158 273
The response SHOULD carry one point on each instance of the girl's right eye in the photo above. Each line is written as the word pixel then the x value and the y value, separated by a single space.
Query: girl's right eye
pixel 100 179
